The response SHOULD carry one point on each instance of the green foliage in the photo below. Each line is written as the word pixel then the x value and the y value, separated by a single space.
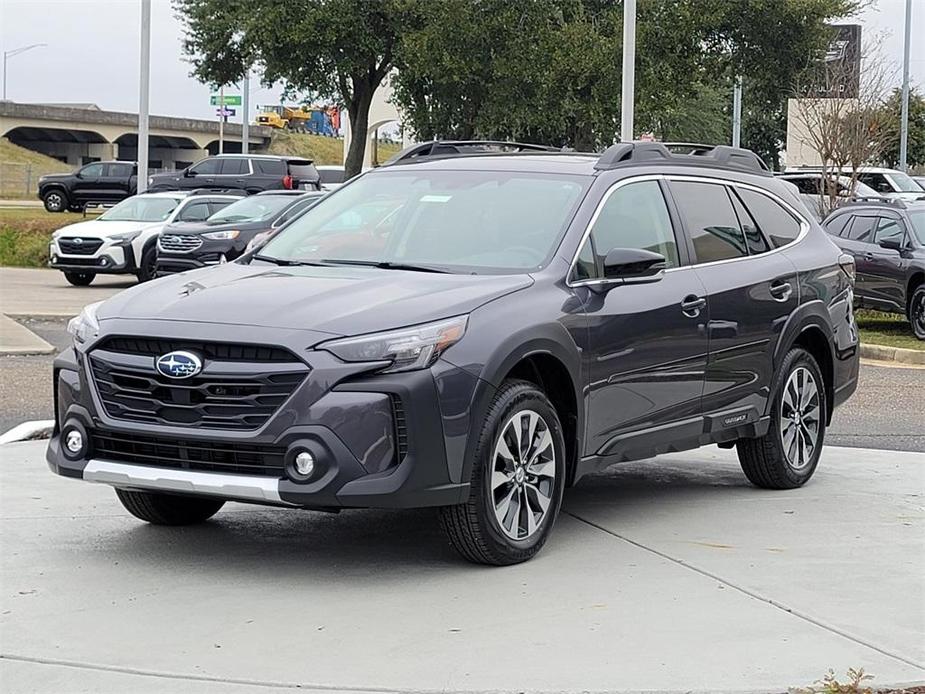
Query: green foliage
pixel 330 49
pixel 25 234
pixel 550 70
pixel 915 149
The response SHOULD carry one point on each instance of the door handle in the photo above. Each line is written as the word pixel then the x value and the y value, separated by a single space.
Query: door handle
pixel 781 291
pixel 868 256
pixel 692 304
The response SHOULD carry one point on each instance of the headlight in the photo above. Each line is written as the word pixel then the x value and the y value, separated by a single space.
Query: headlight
pixel 150 180
pixel 125 236
pixel 85 326
pixel 222 235
pixel 408 349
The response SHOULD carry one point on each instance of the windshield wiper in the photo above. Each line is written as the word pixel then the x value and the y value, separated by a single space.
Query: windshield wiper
pixel 387 265
pixel 286 263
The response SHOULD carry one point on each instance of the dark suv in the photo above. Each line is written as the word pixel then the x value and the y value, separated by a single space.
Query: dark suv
pixel 887 240
pixel 474 333
pixel 248 172
pixel 225 235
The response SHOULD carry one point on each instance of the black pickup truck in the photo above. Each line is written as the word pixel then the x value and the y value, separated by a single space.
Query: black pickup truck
pixel 99 182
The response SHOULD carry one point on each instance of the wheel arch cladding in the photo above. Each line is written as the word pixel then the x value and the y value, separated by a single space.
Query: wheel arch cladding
pixel 813 340
pixel 552 377
pixel 914 282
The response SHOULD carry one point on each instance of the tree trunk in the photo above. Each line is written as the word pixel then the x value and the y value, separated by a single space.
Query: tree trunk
pixel 359 123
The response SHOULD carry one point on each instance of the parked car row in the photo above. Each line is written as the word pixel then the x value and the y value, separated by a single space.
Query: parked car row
pixel 162 233
pixel 109 182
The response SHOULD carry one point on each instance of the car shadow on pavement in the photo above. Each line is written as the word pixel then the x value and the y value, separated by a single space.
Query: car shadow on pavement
pixel 377 546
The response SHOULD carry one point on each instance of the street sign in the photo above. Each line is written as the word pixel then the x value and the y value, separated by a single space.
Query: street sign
pixel 224 112
pixel 230 100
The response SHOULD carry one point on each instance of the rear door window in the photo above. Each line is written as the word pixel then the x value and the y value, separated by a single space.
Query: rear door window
pixel 754 239
pixel 233 166
pixel 777 223
pixel 120 170
pixel 862 228
pixel 711 221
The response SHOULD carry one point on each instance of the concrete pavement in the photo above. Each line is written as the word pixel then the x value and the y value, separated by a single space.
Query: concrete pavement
pixel 667 575
pixel 17 339
pixel 45 292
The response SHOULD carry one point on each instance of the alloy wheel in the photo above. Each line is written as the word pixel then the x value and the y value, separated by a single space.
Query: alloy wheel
pixel 523 474
pixel 55 201
pixel 800 413
pixel 918 315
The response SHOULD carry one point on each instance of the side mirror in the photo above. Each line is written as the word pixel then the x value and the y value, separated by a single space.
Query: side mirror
pixel 187 173
pixel 633 263
pixel 891 244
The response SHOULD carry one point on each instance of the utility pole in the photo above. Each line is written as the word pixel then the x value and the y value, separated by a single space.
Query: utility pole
pixel 143 93
pixel 221 119
pixel 246 106
pixel 737 112
pixel 629 70
pixel 904 117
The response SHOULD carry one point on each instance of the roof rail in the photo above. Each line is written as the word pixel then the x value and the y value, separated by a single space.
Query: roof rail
pixel 882 200
pixel 449 148
pixel 715 156
pixel 218 191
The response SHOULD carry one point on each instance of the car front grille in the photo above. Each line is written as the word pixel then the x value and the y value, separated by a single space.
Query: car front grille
pixel 178 243
pixel 70 246
pixel 239 387
pixel 188 454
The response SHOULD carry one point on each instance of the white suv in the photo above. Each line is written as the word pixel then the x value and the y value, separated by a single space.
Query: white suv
pixel 122 240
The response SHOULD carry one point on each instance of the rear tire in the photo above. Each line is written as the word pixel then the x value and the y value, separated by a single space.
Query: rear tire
pixel 787 456
pixel 168 509
pixel 516 483
pixel 79 279
pixel 55 200
pixel 917 312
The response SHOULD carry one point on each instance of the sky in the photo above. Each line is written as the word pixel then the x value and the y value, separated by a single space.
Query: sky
pixel 92 53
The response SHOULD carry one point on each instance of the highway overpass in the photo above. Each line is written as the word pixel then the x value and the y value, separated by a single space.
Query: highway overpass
pixel 80 133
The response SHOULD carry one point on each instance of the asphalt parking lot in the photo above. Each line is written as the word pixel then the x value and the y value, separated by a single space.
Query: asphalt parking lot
pixel 673 575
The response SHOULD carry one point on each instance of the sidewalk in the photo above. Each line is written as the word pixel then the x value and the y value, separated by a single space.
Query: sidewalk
pixel 45 292
pixel 667 575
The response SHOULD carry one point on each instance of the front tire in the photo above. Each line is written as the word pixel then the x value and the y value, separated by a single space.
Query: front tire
pixel 517 480
pixel 917 312
pixel 79 279
pixel 787 456
pixel 55 201
pixel 168 509
pixel 148 268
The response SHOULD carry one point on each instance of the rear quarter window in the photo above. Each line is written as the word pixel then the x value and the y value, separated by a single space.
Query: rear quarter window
pixel 270 167
pixel 778 225
pixel 836 225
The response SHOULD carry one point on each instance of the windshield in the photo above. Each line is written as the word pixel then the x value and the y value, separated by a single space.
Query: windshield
pixel 904 183
pixel 917 217
pixel 141 209
pixel 462 221
pixel 256 208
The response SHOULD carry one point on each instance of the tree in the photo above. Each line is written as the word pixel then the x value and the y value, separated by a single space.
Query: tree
pixel 332 49
pixel 550 70
pixel 915 147
pixel 845 132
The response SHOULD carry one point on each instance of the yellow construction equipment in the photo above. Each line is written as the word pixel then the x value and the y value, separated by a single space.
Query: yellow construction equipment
pixel 281 116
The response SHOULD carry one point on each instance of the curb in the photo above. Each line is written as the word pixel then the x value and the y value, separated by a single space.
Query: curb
pixel 895 354
pixel 16 338
pixel 27 431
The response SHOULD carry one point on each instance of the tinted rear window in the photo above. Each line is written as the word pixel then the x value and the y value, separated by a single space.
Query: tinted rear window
pixel 270 166
pixel 711 220
pixel 861 228
pixel 232 166
pixel 303 170
pixel 836 225
pixel 778 224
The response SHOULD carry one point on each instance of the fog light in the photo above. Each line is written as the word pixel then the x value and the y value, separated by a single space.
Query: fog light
pixel 104 262
pixel 74 441
pixel 305 463
pixel 54 259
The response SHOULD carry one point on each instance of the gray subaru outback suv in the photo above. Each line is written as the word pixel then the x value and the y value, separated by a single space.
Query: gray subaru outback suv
pixel 472 332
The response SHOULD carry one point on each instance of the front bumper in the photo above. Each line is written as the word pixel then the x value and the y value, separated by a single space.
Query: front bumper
pixel 110 258
pixel 347 419
pixel 211 252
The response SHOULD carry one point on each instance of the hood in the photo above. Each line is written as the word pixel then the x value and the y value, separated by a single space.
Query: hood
pixel 97 229
pixel 335 300
pixel 203 227
pixel 55 177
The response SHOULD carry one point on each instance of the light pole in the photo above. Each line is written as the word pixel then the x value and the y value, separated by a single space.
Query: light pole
pixel 737 112
pixel 16 51
pixel 143 94
pixel 904 115
pixel 629 70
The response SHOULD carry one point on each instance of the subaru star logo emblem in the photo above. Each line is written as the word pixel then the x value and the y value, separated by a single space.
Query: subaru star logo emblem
pixel 179 364
pixel 78 241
